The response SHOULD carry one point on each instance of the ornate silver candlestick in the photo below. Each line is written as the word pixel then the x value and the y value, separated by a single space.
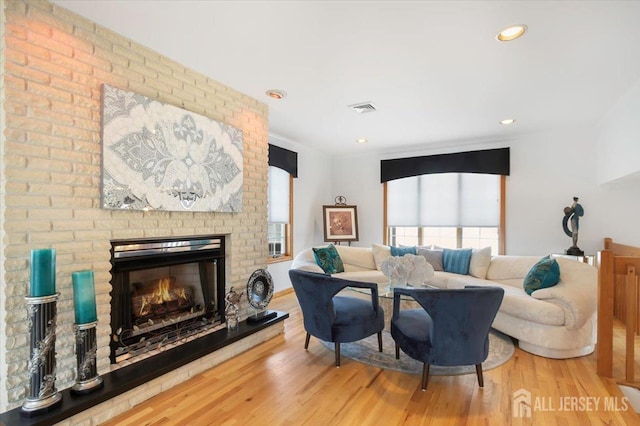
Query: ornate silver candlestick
pixel 42 394
pixel 87 379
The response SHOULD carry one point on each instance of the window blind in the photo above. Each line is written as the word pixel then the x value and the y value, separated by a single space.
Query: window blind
pixel 444 200
pixel 278 195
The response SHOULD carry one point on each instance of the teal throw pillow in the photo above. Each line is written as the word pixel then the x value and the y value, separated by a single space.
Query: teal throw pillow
pixel 328 259
pixel 456 261
pixel 401 251
pixel 544 274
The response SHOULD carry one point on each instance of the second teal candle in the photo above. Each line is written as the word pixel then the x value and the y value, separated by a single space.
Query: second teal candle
pixel 84 297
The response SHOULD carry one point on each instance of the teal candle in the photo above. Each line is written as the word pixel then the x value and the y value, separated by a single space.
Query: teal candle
pixel 84 297
pixel 43 272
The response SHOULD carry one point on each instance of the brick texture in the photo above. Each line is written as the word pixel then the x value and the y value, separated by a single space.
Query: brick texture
pixel 53 69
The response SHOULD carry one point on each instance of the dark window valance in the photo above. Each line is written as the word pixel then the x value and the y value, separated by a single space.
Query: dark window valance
pixel 488 161
pixel 284 159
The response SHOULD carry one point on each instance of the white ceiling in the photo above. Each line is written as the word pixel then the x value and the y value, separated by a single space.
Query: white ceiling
pixel 432 68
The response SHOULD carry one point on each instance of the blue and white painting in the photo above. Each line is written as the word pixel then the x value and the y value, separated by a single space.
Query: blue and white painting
pixel 160 157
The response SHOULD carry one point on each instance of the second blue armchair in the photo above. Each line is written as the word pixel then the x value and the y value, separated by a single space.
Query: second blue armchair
pixel 450 328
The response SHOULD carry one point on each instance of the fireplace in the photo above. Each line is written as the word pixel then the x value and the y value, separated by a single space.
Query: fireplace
pixel 167 323
pixel 164 290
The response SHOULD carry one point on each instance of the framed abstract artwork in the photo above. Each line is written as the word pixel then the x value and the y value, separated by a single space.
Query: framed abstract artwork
pixel 157 156
pixel 340 223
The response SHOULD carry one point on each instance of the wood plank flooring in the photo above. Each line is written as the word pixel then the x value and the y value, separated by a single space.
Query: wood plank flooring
pixel 279 383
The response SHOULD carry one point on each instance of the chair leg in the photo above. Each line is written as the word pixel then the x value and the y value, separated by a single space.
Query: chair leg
pixel 380 341
pixel 479 373
pixel 397 351
pixel 306 341
pixel 337 351
pixel 425 376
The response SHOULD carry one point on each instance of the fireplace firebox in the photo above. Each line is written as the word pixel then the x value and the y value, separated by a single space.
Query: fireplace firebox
pixel 164 290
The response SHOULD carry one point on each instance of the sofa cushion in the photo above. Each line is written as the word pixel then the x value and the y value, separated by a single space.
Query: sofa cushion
pixel 516 302
pixel 544 274
pixel 440 279
pixel 510 269
pixel 380 254
pixel 480 260
pixel 434 257
pixel 519 305
pixel 328 259
pixel 356 258
pixel 456 260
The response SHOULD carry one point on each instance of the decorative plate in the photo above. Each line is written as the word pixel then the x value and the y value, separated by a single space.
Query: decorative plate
pixel 260 289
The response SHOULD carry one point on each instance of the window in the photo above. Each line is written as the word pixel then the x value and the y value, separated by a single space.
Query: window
pixel 447 210
pixel 280 214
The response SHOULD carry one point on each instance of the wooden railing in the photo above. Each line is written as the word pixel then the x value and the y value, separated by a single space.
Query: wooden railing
pixel 618 268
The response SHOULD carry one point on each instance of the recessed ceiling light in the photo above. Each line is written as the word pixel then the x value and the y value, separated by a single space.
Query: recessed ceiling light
pixel 362 140
pixel 511 32
pixel 508 121
pixel 276 94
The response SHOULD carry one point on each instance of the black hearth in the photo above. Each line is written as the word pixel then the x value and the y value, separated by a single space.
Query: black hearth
pixel 164 290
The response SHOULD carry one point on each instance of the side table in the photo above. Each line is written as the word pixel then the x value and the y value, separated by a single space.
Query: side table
pixel 588 259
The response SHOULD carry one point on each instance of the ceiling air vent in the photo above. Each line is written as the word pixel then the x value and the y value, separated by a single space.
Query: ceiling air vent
pixel 363 107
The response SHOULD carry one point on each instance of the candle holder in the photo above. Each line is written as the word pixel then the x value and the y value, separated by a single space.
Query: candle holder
pixel 42 395
pixel 87 379
pixel 84 301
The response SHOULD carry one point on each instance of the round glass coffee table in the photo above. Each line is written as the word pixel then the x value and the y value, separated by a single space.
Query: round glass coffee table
pixel 385 299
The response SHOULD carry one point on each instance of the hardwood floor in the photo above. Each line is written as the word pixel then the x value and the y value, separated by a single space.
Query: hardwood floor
pixel 279 383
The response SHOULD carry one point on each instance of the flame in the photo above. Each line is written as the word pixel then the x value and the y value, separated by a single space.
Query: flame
pixel 161 293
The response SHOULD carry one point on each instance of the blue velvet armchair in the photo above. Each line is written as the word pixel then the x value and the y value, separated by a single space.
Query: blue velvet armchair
pixel 450 328
pixel 333 318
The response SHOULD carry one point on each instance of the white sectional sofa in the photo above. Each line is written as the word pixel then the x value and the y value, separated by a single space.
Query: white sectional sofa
pixel 555 322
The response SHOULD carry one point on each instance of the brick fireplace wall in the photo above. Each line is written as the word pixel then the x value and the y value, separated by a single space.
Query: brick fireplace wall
pixel 55 63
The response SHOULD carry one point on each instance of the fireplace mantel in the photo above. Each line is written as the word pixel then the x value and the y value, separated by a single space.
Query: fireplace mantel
pixel 127 378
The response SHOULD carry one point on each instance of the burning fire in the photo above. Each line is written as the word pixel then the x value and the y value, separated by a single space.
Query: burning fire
pixel 163 291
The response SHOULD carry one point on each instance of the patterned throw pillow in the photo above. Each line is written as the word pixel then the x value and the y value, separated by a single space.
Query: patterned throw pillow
pixel 401 251
pixel 328 259
pixel 544 274
pixel 456 260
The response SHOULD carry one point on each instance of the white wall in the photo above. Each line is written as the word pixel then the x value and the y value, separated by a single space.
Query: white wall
pixel 547 170
pixel 618 151
pixel 618 144
pixel 311 190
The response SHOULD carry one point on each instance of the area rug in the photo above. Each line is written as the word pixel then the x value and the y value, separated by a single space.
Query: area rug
pixel 501 349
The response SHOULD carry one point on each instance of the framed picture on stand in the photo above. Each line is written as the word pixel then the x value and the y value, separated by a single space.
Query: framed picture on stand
pixel 340 223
